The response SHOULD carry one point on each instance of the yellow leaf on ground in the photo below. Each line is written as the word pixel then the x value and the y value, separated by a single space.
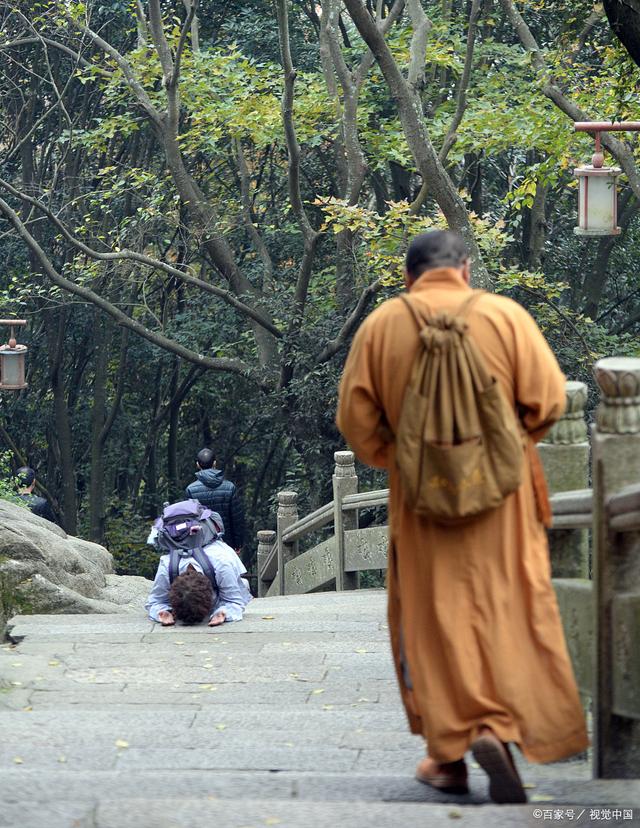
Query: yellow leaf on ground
pixel 318 691
pixel 121 743
pixel 18 760
pixel 272 821
pixel 221 727
pixel 62 759
pixel 361 650
pixel 541 798
pixel 268 617
pixel 327 707
pixel 54 663
pixel 27 709
pixel 454 813
pixel 525 785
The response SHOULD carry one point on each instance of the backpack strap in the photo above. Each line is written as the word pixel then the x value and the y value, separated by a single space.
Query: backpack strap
pixel 174 565
pixel 207 567
pixel 468 303
pixel 421 318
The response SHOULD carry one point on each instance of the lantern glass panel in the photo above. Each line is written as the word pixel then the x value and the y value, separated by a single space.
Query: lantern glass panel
pixel 597 208
pixel 12 368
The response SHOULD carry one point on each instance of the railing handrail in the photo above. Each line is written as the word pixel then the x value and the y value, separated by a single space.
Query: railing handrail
pixel 362 500
pixel 309 523
pixel 623 509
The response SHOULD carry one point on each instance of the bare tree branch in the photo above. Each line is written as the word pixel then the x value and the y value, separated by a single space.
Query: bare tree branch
pixel 461 95
pixel 620 151
pixel 148 261
pixel 234 366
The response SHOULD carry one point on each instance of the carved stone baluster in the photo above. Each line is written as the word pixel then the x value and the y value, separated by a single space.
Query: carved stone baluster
pixel 287 514
pixel 565 456
pixel 345 482
pixel 266 539
pixel 616 454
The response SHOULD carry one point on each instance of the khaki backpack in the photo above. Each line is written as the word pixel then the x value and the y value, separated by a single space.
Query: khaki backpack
pixel 459 445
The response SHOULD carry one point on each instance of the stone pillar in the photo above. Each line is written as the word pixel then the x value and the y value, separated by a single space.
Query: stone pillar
pixel 266 539
pixel 565 456
pixel 345 482
pixel 616 460
pixel 287 514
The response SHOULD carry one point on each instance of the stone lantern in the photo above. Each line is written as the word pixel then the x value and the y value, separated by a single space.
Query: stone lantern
pixel 12 359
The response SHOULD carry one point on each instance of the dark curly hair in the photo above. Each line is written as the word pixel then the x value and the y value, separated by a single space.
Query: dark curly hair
pixel 191 597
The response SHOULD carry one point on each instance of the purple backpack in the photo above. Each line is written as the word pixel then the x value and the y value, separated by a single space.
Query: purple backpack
pixel 184 529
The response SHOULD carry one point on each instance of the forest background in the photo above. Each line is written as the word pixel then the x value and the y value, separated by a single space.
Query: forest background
pixel 200 203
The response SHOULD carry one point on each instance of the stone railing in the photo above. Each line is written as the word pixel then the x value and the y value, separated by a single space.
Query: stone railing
pixel 601 617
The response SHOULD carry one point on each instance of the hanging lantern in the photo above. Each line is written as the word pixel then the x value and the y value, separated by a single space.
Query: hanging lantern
pixel 597 201
pixel 597 196
pixel 12 360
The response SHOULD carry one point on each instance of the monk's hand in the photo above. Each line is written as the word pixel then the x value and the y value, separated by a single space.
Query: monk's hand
pixel 166 618
pixel 217 619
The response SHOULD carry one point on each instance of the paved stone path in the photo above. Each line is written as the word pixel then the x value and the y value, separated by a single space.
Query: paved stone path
pixel 290 718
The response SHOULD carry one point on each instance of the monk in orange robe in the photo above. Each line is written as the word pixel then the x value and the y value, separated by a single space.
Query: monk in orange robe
pixel 475 628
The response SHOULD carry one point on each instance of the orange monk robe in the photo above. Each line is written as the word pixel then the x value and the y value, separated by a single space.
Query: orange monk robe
pixel 475 627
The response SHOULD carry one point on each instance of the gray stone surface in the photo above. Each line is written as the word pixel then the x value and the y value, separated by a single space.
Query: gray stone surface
pixel 290 718
pixel 42 569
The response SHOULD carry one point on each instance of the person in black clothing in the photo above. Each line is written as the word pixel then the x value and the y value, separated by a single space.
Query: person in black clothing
pixel 219 495
pixel 26 478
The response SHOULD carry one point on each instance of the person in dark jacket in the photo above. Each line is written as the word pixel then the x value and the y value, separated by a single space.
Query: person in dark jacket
pixel 26 478
pixel 219 495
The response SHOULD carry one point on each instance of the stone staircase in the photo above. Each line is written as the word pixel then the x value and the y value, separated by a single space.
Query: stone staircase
pixel 290 718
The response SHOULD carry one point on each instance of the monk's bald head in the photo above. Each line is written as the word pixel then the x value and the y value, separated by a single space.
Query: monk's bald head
pixel 437 248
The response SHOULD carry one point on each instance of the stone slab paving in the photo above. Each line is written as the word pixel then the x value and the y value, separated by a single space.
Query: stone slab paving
pixel 289 718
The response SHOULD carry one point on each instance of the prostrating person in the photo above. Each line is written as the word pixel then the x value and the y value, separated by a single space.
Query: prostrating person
pixel 199 577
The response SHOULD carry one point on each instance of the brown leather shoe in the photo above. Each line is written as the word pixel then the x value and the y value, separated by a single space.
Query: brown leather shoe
pixel 449 777
pixel 495 759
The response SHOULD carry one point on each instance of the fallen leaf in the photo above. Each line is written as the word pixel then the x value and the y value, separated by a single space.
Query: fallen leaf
pixel 16 664
pixel 213 796
pixel 54 663
pixel 454 813
pixel 178 643
pixel 541 798
pixel 268 617
pixel 62 759
pixel 272 821
pixel 27 709
pixel 221 727
pixel 528 785
pixel 289 744
pixel 121 743
pixel 475 765
pixel 318 691
pixel 327 707
pixel 361 651
pixel 18 760
pixel 17 683
pixel 364 700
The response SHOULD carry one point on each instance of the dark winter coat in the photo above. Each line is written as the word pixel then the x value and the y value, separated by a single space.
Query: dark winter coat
pixel 39 506
pixel 220 495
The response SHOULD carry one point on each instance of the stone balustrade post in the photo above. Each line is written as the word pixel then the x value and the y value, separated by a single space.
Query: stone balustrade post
pixel 345 482
pixel 266 539
pixel 565 456
pixel 287 515
pixel 616 461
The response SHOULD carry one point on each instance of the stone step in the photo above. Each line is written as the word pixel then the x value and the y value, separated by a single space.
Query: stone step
pixel 245 812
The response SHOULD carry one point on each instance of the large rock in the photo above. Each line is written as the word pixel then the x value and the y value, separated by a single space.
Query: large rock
pixel 44 570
